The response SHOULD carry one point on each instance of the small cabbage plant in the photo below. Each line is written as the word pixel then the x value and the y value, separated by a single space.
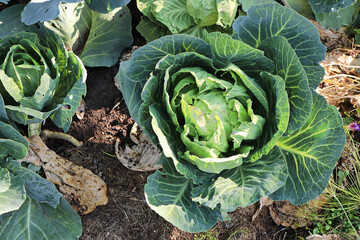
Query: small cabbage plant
pixel 39 78
pixel 237 118
pixel 162 18
pixel 96 38
pixel 30 206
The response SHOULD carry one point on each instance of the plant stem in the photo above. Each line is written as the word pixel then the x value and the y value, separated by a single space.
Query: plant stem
pixel 34 129
pixel 63 136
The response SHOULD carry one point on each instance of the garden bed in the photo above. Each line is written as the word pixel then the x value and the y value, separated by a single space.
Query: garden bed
pixel 105 122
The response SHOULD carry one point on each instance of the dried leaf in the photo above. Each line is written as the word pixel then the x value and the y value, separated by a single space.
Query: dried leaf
pixel 285 214
pixel 143 156
pixel 331 39
pixel 264 202
pixel 341 80
pixel 81 188
pixel 325 237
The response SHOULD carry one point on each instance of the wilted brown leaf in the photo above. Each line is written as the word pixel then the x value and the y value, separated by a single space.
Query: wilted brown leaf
pixel 285 214
pixel 143 156
pixel 326 237
pixel 332 39
pixel 81 188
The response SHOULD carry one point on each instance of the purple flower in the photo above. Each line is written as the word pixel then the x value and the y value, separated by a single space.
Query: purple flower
pixel 354 126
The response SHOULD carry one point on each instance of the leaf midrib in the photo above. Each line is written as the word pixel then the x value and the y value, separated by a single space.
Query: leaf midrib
pixel 295 151
pixel 178 197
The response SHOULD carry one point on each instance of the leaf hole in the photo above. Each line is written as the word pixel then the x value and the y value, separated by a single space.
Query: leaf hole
pixel 67 106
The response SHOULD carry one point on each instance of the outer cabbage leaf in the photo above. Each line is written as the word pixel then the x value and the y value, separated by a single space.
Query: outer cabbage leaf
pixel 104 6
pixel 12 143
pixel 311 153
pixel 243 185
pixel 227 50
pixel 12 191
pixel 327 6
pixel 246 4
pixel 207 13
pixel 300 6
pixel 150 30
pixel 302 42
pixel 199 31
pixel 185 16
pixel 97 39
pixel 31 207
pixel 267 20
pixel 4 180
pixel 335 15
pixel 41 11
pixel 11 16
pixel 173 14
pixel 70 92
pixel 3 116
pixel 36 187
pixel 288 66
pixel 41 221
pixel 169 194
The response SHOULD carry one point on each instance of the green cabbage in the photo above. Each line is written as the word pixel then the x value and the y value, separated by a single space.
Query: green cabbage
pixel 237 118
pixel 40 78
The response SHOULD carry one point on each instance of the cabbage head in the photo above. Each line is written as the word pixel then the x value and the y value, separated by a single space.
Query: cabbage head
pixel 237 118
pixel 40 78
